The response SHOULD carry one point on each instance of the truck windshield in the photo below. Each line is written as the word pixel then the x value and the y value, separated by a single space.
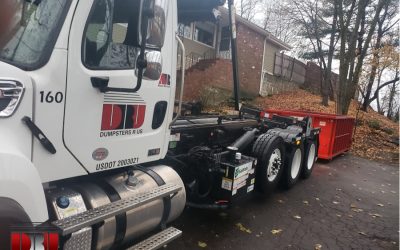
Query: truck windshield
pixel 31 45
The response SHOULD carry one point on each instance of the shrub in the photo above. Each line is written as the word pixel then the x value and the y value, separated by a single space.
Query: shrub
pixel 374 124
pixel 212 97
pixel 388 131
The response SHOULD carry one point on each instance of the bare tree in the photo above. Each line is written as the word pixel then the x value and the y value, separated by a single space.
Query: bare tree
pixel 318 19
pixel 354 45
pixel 277 19
pixel 379 63
pixel 247 8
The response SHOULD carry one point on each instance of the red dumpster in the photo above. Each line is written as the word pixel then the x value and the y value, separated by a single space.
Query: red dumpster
pixel 336 130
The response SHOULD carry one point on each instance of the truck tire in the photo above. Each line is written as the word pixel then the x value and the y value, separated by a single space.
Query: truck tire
pixel 293 166
pixel 11 214
pixel 270 152
pixel 311 154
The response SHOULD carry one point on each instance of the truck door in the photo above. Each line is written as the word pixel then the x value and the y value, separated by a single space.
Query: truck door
pixel 112 129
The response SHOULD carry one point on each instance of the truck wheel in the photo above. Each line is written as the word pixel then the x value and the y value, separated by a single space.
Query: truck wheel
pixel 309 159
pixel 11 214
pixel 270 152
pixel 293 164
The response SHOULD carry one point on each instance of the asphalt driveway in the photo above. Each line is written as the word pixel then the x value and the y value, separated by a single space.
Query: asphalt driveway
pixel 348 203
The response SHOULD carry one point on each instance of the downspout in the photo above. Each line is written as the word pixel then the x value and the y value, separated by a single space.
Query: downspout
pixel 262 68
pixel 232 24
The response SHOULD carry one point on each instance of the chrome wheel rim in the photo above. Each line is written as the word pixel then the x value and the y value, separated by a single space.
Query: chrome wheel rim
pixel 296 163
pixel 274 165
pixel 311 156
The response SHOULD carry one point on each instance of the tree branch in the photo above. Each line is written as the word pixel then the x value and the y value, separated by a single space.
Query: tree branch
pixel 380 87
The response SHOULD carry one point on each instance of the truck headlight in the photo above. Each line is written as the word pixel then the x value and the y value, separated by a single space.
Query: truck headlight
pixel 10 96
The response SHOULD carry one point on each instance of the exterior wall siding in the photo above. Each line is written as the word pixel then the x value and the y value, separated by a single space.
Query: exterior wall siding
pixel 250 48
pixel 269 57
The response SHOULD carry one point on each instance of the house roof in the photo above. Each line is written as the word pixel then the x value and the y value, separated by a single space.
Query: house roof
pixel 271 38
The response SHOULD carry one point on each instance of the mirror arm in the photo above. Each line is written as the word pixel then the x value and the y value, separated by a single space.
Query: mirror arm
pixel 148 13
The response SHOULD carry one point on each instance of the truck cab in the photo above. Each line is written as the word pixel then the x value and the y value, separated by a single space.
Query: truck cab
pixel 59 59
pixel 84 89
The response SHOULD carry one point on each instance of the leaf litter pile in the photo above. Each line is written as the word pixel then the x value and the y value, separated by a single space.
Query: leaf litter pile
pixel 376 136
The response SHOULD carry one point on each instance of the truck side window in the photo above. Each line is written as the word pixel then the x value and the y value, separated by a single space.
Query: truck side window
pixel 111 35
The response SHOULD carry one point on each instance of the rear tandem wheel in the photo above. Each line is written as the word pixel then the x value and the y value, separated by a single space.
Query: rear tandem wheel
pixel 310 156
pixel 270 152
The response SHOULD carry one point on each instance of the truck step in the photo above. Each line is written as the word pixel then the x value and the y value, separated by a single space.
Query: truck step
pixel 97 215
pixel 158 240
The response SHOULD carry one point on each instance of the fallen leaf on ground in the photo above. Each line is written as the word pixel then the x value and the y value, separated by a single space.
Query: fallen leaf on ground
pixel 375 215
pixel 362 233
pixel 380 205
pixel 297 217
pixel 318 247
pixel 280 201
pixel 202 244
pixel 339 215
pixel 335 202
pixel 276 231
pixel 353 205
pixel 305 202
pixel 317 199
pixel 243 228
pixel 357 210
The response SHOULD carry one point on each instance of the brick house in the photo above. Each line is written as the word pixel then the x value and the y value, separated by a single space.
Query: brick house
pixel 208 55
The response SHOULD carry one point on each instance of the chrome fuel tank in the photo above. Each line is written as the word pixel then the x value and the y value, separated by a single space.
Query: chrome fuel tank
pixel 139 221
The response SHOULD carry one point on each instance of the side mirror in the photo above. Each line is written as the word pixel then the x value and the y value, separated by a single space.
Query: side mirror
pixel 156 28
pixel 152 28
pixel 153 69
pixel 155 11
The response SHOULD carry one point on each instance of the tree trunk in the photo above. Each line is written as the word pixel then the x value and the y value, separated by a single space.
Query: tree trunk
pixel 328 70
pixel 378 103
pixel 375 62
pixel 391 98
pixel 346 57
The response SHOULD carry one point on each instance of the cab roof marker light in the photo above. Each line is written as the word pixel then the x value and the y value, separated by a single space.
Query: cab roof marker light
pixel 10 96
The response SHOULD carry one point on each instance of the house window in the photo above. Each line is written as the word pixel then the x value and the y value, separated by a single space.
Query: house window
pixel 185 30
pixel 204 33
pixel 225 44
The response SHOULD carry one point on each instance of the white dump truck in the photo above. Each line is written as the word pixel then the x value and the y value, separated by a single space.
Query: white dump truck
pixel 93 151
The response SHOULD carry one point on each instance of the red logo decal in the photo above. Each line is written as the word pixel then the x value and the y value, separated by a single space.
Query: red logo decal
pixel 122 116
pixel 28 241
pixel 165 80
